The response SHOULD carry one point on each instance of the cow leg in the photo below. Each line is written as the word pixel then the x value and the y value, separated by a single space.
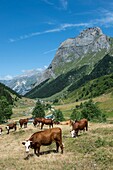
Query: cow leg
pixel 42 125
pixel 58 143
pixel 7 131
pixel 38 149
pixel 57 146
pixel 35 151
pixel 76 133
pixel 61 146
pixel 87 127
pixel 15 128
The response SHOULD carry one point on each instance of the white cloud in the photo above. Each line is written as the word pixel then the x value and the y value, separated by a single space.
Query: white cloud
pixel 60 4
pixel 105 18
pixel 46 52
pixel 31 71
pixel 7 77
pixel 58 29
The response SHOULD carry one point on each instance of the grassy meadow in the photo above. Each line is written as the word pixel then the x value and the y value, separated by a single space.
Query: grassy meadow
pixel 92 150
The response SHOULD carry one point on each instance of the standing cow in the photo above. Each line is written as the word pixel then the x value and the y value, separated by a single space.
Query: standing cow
pixel 23 122
pixel 45 138
pixel 11 126
pixel 46 122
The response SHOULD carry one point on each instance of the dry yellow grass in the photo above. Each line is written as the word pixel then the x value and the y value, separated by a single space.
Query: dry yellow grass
pixel 91 151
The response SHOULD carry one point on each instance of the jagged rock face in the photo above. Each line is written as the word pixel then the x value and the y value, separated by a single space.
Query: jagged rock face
pixel 91 40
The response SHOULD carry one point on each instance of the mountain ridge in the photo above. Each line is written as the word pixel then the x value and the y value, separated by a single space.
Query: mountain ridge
pixel 87 49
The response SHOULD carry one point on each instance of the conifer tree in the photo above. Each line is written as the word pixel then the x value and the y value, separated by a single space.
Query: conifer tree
pixel 38 110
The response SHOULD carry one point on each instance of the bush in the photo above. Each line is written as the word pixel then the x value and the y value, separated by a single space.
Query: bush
pixel 58 116
pixel 38 110
pixel 76 114
pixel 5 110
pixel 90 111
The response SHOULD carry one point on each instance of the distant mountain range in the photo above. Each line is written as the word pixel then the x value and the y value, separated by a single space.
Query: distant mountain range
pixel 23 83
pixel 75 58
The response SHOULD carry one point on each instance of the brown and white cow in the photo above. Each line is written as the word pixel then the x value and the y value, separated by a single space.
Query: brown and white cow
pixel 78 126
pixel 23 122
pixel 45 138
pixel 11 126
pixel 1 130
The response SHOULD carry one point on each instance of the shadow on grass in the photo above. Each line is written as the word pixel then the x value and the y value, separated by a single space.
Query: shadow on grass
pixel 41 153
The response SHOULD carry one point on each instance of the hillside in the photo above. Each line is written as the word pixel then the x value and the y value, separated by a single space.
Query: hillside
pixel 68 71
pixel 8 93
pixel 66 84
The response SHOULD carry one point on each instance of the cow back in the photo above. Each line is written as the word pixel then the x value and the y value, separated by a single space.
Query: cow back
pixel 47 121
pixel 46 137
pixel 80 125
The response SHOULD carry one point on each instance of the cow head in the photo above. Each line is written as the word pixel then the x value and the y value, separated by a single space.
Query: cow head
pixel 27 145
pixel 7 127
pixel 73 134
pixel 0 131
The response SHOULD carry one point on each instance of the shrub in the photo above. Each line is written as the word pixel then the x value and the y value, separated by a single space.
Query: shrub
pixel 38 110
pixel 58 115
pixel 90 111
pixel 5 110
pixel 76 114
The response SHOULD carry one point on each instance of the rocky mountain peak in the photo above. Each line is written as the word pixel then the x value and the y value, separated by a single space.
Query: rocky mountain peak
pixel 72 50
pixel 84 38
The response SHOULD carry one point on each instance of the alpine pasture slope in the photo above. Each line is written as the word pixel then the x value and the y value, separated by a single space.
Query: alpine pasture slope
pixel 91 150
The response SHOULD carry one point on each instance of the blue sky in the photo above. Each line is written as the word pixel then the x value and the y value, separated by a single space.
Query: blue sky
pixel 32 30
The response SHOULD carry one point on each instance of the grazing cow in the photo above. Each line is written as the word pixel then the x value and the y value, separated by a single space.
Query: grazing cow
pixel 44 138
pixel 46 122
pixel 23 122
pixel 11 126
pixel 1 130
pixel 37 120
pixel 79 125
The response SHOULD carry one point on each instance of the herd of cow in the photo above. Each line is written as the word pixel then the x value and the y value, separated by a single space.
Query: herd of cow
pixel 46 137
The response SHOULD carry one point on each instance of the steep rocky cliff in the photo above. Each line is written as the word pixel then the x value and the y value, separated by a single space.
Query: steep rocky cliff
pixel 88 48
